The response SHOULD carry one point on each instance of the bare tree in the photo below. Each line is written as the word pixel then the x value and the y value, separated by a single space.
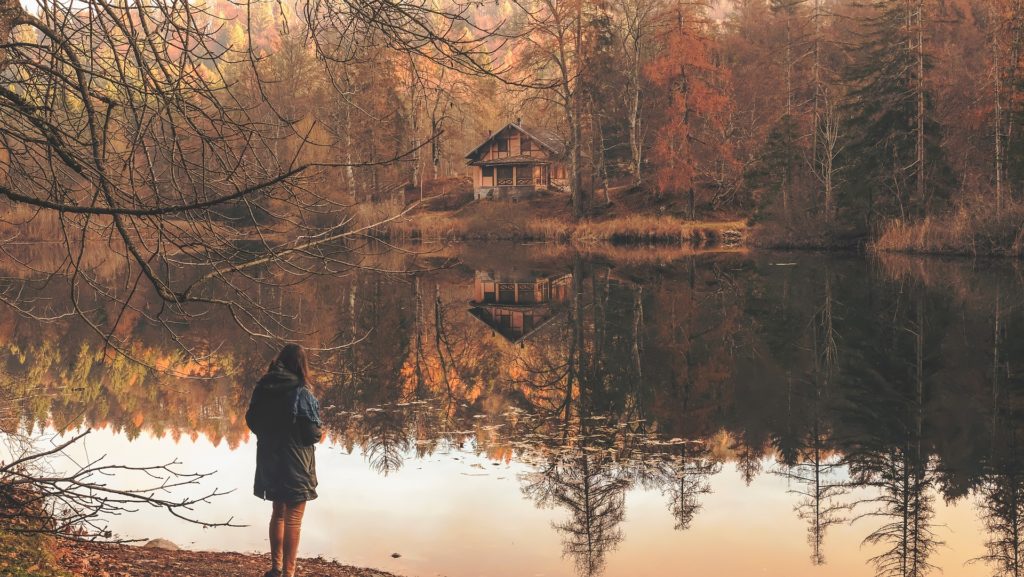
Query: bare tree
pixel 828 147
pixel 133 129
pixel 554 59
pixel 638 20
pixel 75 501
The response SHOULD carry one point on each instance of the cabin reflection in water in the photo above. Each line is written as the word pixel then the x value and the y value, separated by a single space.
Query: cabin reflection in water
pixel 517 304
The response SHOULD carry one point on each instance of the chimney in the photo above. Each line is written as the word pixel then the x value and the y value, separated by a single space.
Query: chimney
pixel 519 120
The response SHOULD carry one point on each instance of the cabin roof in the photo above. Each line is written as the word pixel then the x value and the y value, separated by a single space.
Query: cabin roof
pixel 547 138
pixel 512 160
pixel 478 312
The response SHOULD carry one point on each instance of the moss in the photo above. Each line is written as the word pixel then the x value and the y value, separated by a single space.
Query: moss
pixel 26 555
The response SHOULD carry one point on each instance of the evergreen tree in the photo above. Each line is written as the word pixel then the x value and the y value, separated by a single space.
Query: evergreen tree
pixel 1011 30
pixel 770 178
pixel 893 157
pixel 1014 142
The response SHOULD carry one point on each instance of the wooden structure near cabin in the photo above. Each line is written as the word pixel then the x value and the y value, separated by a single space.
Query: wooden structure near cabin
pixel 516 306
pixel 516 161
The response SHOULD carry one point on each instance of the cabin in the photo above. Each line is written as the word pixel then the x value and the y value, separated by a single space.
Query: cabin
pixel 516 161
pixel 516 305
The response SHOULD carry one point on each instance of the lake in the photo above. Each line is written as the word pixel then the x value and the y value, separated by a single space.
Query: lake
pixel 537 411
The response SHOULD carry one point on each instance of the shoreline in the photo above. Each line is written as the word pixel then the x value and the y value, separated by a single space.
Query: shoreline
pixel 617 226
pixel 96 559
pixel 627 221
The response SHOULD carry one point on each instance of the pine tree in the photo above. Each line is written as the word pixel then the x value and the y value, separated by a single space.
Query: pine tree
pixel 770 178
pixel 894 158
pixel 1014 143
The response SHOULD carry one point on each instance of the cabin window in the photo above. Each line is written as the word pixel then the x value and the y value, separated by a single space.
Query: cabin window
pixel 505 175
pixel 502 145
pixel 488 172
pixel 506 293
pixel 525 145
pixel 527 294
pixel 524 176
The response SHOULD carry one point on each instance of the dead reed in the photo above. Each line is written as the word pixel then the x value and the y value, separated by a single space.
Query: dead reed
pixel 497 221
pixel 969 232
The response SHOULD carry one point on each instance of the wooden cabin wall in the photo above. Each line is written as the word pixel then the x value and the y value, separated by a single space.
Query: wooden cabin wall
pixel 515 139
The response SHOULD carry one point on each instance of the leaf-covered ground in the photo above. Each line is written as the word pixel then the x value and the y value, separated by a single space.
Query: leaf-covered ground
pixel 106 560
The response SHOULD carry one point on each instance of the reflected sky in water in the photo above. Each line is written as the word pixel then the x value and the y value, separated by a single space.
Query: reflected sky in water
pixel 541 412
pixel 458 514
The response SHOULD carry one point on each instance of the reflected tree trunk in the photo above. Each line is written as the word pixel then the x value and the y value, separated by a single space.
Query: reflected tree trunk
pixel 1002 490
pixel 686 479
pixel 418 322
pixel 902 472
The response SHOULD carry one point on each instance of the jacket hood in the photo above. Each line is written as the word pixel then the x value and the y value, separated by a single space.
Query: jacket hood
pixel 279 379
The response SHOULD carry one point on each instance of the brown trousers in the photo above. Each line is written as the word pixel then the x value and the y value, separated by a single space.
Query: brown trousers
pixel 285 525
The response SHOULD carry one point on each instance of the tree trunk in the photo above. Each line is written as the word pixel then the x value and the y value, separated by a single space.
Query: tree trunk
pixel 350 172
pixel 601 164
pixel 635 143
pixel 1017 29
pixel 997 79
pixel 919 146
pixel 579 202
pixel 435 148
pixel 374 180
pixel 787 180
pixel 818 157
pixel 828 130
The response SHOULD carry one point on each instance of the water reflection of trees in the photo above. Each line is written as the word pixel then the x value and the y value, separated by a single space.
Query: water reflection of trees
pixel 586 482
pixel 854 379
pixel 805 447
pixel 685 477
pixel 1001 485
pixel 590 370
pixel 890 450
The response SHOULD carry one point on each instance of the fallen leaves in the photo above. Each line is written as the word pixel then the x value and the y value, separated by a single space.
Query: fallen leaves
pixel 110 560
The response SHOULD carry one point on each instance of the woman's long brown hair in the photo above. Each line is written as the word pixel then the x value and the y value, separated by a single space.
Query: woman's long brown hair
pixel 293 358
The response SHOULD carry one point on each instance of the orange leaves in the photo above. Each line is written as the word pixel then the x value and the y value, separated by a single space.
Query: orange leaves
pixel 691 105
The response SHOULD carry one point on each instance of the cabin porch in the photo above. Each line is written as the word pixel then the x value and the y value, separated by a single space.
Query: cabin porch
pixel 510 180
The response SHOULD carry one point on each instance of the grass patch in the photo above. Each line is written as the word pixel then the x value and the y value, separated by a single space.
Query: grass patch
pixel 646 229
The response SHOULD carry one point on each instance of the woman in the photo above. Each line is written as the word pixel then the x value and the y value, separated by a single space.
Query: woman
pixel 285 417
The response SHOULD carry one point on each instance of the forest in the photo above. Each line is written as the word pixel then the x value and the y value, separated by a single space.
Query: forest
pixel 821 122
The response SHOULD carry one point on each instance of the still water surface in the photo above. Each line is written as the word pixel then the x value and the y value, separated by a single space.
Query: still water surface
pixel 532 411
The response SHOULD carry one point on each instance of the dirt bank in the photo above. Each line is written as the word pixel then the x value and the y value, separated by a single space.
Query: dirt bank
pixel 106 560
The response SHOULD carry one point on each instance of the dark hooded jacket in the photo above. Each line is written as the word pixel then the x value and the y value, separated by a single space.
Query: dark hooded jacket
pixel 285 417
